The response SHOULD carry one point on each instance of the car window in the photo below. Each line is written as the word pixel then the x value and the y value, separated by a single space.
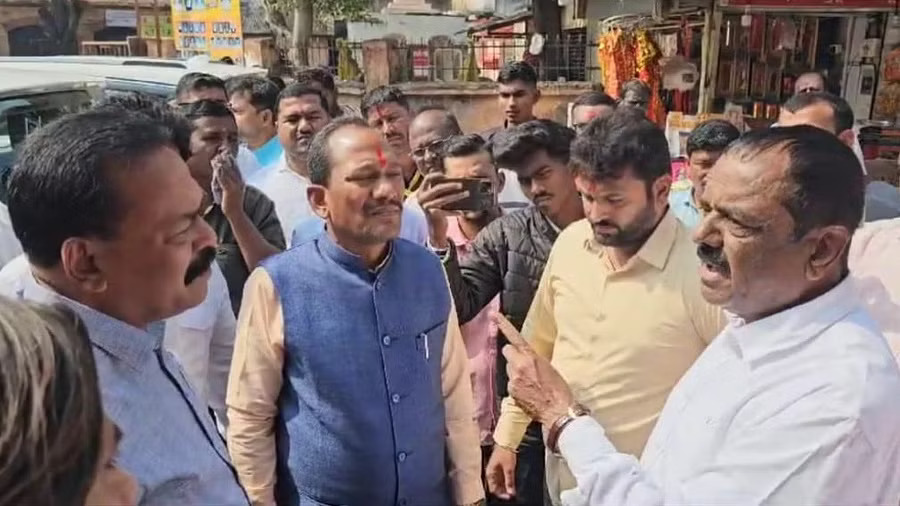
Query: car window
pixel 151 88
pixel 19 116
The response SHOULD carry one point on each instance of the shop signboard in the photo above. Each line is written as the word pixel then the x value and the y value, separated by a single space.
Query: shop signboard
pixel 148 26
pixel 212 27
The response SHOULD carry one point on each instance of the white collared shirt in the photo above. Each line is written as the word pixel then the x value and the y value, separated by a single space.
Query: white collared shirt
pixel 201 338
pixel 9 244
pixel 287 190
pixel 799 408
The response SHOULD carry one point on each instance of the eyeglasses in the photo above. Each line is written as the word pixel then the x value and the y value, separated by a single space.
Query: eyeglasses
pixel 434 147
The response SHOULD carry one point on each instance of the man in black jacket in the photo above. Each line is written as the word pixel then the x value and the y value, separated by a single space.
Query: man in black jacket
pixel 508 257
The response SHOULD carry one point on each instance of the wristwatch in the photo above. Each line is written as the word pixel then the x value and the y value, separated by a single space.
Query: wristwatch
pixel 574 411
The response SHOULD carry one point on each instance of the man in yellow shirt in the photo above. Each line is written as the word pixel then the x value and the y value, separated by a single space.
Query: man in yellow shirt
pixel 618 310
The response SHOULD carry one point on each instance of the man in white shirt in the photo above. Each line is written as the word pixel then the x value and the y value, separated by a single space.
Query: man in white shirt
pixel 795 401
pixel 301 112
pixel 9 245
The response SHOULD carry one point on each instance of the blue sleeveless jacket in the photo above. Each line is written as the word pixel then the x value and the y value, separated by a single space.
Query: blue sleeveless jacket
pixel 361 418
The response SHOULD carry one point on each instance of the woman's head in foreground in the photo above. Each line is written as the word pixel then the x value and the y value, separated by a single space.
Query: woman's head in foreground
pixel 56 445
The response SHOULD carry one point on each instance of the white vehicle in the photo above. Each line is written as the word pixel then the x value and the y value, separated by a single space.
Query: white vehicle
pixel 31 98
pixel 147 75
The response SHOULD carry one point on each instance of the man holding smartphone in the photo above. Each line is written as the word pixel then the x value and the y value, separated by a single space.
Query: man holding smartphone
pixel 468 165
pixel 506 260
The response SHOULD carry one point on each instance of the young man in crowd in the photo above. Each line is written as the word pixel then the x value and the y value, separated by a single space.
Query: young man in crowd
pixel 380 412
pixel 705 145
pixel 196 86
pixel 254 101
pixel 833 114
pixel 590 105
pixel 507 257
pixel 467 156
pixel 109 218
pixel 517 93
pixel 243 218
pixel 598 314
pixel 302 111
pixel 635 93
pixel 795 401
pixel 321 79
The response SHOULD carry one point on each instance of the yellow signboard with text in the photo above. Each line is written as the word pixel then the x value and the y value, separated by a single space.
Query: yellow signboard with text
pixel 212 27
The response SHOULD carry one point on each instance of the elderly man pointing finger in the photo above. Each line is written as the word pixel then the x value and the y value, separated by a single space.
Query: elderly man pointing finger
pixel 794 402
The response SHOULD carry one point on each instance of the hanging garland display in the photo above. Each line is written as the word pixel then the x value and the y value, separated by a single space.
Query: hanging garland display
pixel 625 55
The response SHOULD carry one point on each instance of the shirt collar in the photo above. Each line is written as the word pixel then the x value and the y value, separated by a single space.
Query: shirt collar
pixel 656 248
pixel 787 329
pixel 125 342
pixel 350 260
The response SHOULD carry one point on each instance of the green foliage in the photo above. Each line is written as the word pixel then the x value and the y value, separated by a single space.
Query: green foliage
pixel 351 10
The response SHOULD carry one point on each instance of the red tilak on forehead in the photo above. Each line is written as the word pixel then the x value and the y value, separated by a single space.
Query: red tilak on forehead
pixel 382 160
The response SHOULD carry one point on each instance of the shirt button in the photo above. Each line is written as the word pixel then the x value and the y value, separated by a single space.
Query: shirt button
pixel 401 456
pixel 386 340
pixel 378 285
pixel 395 398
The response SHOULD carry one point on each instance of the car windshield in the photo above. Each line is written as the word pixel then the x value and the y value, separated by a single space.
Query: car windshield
pixel 19 116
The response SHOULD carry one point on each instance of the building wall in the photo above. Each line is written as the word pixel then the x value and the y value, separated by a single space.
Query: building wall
pixel 93 18
pixel 414 27
pixel 475 104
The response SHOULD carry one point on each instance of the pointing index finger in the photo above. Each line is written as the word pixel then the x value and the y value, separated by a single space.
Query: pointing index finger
pixel 512 335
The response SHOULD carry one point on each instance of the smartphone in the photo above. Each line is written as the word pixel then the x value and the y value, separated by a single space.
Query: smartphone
pixel 481 195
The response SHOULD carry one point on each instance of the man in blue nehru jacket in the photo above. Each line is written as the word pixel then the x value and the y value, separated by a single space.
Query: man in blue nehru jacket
pixel 350 383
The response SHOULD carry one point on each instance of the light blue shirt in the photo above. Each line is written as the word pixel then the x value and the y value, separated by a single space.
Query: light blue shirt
pixel 413 226
pixel 170 442
pixel 269 153
pixel 682 204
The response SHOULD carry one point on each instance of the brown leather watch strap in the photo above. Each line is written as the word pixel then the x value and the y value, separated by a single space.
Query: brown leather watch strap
pixel 555 430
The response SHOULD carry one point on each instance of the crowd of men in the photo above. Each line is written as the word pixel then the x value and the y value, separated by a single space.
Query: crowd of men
pixel 291 302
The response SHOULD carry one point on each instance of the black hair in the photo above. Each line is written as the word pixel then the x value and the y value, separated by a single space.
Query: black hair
pixel 260 91
pixel 319 75
pixel 513 147
pixel 635 86
pixel 318 159
pixel 449 124
pixel 827 186
pixel 624 140
pixel 594 98
pixel 712 136
pixel 278 82
pixel 195 81
pixel 819 74
pixel 63 182
pixel 205 109
pixel 380 96
pixel 518 71
pixel 843 114
pixel 297 90
pixel 154 108
pixel 464 145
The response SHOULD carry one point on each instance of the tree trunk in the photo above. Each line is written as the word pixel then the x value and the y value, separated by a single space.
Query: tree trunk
pixel 302 32
pixel 547 17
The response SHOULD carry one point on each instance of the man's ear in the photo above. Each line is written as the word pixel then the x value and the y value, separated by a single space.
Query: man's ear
pixel 268 116
pixel 318 200
pixel 848 137
pixel 828 245
pixel 501 181
pixel 537 95
pixel 81 261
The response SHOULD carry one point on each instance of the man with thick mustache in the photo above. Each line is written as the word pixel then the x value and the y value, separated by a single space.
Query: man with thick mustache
pixel 372 406
pixel 795 401
pixel 110 219
pixel 618 309
pixel 301 112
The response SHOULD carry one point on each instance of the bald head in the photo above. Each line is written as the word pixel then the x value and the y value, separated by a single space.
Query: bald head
pixel 426 132
pixel 809 82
